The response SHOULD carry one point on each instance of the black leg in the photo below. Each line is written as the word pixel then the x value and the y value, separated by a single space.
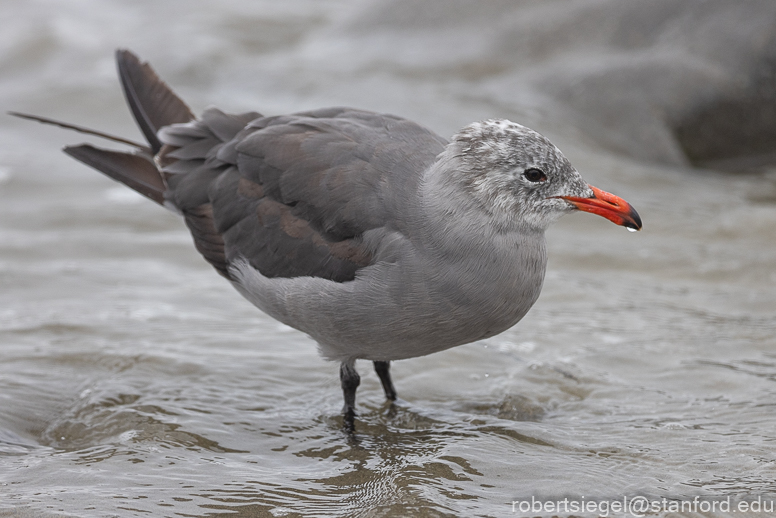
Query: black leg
pixel 350 381
pixel 383 370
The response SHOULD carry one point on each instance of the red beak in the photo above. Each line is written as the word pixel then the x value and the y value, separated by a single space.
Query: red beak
pixel 612 207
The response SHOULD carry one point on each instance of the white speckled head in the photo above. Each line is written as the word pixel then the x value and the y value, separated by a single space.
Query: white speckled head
pixel 515 173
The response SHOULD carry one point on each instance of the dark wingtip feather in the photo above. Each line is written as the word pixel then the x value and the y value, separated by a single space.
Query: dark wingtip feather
pixel 152 102
pixel 133 170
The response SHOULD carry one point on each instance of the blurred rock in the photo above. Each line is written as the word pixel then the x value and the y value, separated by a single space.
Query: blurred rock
pixel 671 81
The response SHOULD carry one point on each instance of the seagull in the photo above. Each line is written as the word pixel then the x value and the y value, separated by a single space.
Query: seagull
pixel 370 233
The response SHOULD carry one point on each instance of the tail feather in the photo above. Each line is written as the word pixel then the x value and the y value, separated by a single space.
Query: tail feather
pixel 152 102
pixel 154 106
pixel 80 129
pixel 136 171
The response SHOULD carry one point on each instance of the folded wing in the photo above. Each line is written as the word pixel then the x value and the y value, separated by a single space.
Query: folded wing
pixel 292 194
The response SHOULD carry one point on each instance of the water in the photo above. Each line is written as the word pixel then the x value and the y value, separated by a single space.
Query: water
pixel 135 381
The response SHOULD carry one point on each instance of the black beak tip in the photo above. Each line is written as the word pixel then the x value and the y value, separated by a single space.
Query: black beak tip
pixel 635 224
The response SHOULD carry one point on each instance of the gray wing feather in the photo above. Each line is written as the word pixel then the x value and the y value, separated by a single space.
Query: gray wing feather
pixel 224 126
pixel 293 194
pixel 209 242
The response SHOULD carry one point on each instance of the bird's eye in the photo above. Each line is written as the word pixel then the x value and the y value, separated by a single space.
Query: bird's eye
pixel 535 175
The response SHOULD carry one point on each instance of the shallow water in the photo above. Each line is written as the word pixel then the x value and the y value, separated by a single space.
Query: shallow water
pixel 135 381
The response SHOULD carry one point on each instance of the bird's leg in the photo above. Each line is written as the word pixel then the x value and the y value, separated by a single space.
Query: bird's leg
pixel 350 381
pixel 383 370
